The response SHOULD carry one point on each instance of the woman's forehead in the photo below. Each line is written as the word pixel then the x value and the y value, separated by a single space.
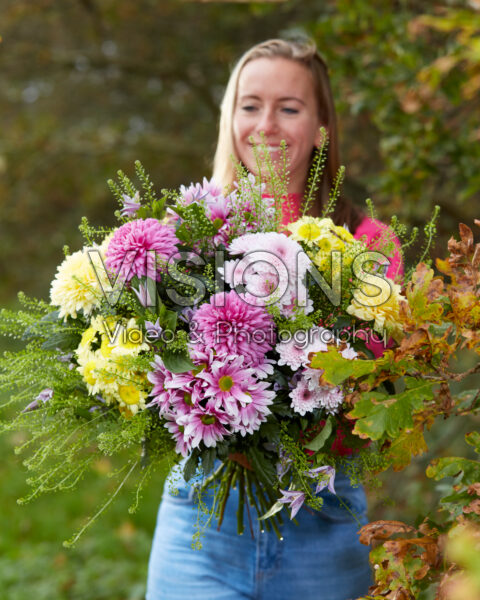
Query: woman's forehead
pixel 280 77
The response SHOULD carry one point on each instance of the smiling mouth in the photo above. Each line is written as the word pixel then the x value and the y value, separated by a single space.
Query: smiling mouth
pixel 271 149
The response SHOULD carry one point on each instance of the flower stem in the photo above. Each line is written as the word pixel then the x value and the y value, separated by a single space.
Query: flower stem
pixel 241 500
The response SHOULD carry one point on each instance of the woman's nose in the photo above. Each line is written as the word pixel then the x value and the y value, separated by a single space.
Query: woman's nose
pixel 267 122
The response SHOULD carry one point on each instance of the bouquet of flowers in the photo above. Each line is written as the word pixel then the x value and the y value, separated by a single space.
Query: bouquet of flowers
pixel 196 331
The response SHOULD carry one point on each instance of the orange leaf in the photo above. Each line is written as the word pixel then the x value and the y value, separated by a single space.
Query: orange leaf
pixel 382 530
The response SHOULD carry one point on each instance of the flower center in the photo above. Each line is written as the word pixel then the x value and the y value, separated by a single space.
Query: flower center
pixel 187 398
pixel 208 419
pixel 225 383
pixel 217 223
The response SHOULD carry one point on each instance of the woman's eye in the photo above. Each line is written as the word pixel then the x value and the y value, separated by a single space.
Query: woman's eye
pixel 289 110
pixel 249 108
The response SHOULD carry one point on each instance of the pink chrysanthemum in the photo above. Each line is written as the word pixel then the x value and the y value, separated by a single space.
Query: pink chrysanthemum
pixel 140 247
pixel 303 398
pixel 307 397
pixel 227 383
pixel 270 271
pixel 207 426
pixel 231 326
pixel 330 399
pixel 177 430
pixel 232 388
pixel 283 249
pixel 295 351
pixel 252 415
pixel 174 393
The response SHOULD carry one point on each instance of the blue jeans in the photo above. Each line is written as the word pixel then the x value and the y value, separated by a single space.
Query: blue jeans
pixel 318 559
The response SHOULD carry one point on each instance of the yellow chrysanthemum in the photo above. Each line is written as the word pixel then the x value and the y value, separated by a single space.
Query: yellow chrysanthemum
pixel 384 315
pixel 75 286
pixel 309 229
pixel 88 372
pixel 129 394
pixel 129 340
pixel 343 234
pixel 87 336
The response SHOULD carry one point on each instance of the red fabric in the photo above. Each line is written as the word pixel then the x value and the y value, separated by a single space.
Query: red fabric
pixel 291 209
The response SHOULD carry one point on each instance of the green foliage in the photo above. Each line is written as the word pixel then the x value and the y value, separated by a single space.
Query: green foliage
pixel 337 369
pixel 379 416
pixel 196 225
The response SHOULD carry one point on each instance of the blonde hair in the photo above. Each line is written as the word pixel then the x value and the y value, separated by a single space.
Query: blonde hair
pixel 306 54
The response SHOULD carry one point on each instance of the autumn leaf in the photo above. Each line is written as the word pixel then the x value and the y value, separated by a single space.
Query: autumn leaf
pixel 337 369
pixel 423 293
pixel 382 530
pixel 380 415
pixel 409 443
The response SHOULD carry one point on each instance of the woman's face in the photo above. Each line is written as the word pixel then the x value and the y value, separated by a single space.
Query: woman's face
pixel 276 96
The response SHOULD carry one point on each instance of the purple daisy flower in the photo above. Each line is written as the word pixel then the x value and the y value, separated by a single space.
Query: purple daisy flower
pixel 207 426
pixel 208 192
pixel 153 330
pixel 227 382
pixel 177 430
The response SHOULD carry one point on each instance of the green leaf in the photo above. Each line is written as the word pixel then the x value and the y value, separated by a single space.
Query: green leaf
pixel 473 438
pixel 337 369
pixel 452 466
pixel 263 467
pixel 152 289
pixel 191 466
pixel 64 340
pixel 196 226
pixel 277 507
pixel 166 318
pixel 177 362
pixel 382 415
pixel 319 441
pixel 208 460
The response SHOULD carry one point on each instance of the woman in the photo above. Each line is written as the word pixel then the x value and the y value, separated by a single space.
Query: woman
pixel 279 90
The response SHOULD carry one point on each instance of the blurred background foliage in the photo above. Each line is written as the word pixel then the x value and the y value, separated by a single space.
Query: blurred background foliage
pixel 88 86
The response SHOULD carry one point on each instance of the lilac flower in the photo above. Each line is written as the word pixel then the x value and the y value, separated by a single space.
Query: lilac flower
pixel 321 485
pixel 284 463
pixel 293 498
pixel 66 357
pixel 44 396
pixel 143 295
pixel 130 205
pixel 186 314
pixel 153 329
